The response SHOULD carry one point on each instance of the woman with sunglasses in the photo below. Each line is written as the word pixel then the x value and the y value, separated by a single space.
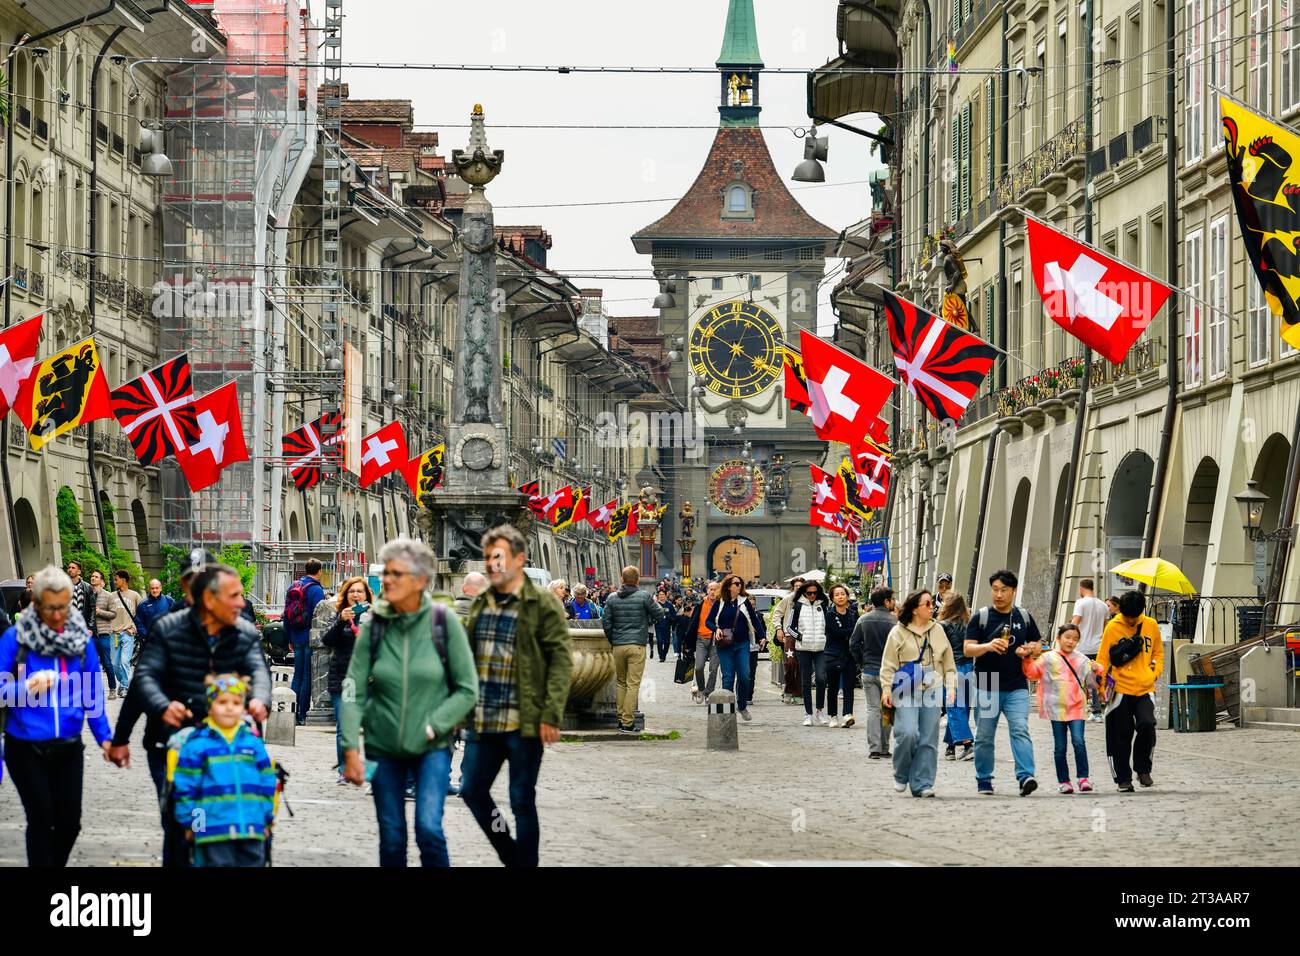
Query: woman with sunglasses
pixel 917 677
pixel 805 631
pixel 734 612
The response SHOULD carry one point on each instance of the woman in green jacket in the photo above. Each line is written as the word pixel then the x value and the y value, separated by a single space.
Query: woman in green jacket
pixel 411 681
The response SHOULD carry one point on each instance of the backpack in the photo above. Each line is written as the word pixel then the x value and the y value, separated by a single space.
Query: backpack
pixel 982 617
pixel 438 620
pixel 295 606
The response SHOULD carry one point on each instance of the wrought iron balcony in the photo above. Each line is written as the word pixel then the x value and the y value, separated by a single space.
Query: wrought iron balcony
pixel 1033 389
pixel 1142 357
pixel 1049 158
pixel 38 284
pixel 20 276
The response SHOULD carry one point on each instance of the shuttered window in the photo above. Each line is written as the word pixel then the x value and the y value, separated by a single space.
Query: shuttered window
pixel 965 159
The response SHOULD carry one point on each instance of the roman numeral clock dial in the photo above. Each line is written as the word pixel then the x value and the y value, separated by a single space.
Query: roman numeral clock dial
pixel 737 347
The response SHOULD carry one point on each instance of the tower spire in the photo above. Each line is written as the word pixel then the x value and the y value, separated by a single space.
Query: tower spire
pixel 740 63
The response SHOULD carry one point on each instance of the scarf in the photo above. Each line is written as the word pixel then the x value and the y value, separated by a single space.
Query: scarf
pixel 37 637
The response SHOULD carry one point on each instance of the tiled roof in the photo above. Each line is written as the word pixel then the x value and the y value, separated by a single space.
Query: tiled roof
pixel 422 139
pixel 394 110
pixel 698 214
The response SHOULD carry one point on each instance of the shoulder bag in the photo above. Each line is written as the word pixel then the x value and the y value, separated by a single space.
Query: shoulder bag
pixel 911 675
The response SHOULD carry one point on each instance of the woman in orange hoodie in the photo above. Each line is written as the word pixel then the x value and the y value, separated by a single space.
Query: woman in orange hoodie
pixel 1133 657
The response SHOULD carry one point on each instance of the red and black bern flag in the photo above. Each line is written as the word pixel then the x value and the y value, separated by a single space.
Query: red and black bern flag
pixel 941 365
pixel 156 411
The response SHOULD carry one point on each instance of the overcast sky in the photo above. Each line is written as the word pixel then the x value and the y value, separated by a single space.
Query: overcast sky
pixel 595 165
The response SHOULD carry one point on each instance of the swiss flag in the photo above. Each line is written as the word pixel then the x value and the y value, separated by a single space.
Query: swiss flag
pixel 872 465
pixel 599 519
pixel 825 516
pixel 17 358
pixel 846 394
pixel 828 490
pixel 221 438
pixel 556 500
pixel 879 432
pixel 1100 301
pixel 382 452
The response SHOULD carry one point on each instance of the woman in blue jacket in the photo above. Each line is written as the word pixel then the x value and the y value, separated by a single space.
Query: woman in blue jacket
pixel 50 688
pixel 735 611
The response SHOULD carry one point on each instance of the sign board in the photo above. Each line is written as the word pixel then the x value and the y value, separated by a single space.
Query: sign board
pixel 872 550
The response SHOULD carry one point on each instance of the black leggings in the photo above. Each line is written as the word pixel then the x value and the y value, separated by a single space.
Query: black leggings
pixel 840 674
pixel 812 664
pixel 48 779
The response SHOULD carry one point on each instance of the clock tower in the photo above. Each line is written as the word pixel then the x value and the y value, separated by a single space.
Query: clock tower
pixel 742 261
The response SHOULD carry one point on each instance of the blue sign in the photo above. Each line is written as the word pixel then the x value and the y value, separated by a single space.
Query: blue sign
pixel 872 550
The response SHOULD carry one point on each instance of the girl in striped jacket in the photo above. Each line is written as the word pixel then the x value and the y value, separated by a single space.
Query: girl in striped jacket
pixel 1065 677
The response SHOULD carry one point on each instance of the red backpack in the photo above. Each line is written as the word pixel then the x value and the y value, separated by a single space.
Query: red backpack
pixel 295 606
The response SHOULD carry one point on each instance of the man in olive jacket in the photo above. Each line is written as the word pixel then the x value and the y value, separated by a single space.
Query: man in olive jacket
pixel 628 616
pixel 520 637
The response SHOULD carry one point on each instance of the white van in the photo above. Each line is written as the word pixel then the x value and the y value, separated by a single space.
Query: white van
pixel 540 576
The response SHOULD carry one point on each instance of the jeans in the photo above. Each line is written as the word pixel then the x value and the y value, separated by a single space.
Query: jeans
pixel 877 736
pixel 735 672
pixel 484 754
pixel 753 676
pixel 123 648
pixel 1096 704
pixel 104 650
pixel 1075 732
pixel 958 729
pixel 175 850
pixel 989 705
pixel 916 745
pixel 432 772
pixel 231 853
pixel 812 663
pixel 663 636
pixel 677 642
pixel 706 652
pixel 336 700
pixel 49 786
pixel 302 679
pixel 841 674
pixel 1130 728
pixel 629 666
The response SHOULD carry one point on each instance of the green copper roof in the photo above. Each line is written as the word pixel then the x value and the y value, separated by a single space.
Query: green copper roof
pixel 740 42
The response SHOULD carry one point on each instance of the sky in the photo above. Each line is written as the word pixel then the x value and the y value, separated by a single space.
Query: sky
pixel 600 165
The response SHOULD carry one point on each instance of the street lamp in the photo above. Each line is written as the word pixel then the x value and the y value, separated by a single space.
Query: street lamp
pixel 815 149
pixel 154 161
pixel 1252 501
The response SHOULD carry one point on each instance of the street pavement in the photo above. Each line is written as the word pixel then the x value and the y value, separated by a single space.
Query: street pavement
pixel 791 794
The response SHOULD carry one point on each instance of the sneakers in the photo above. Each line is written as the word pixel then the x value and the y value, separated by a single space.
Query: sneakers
pixel 1028 786
pixel 924 793
pixel 1084 785
pixel 984 789
pixel 121 693
pixel 820 719
pixel 745 714
pixel 874 755
pixel 899 787
pixel 627 728
pixel 1064 787
pixel 950 753
pixel 807 721
pixel 342 781
pixel 833 722
pixel 1096 718
pixel 967 752
pixel 1126 787
pixel 1145 779
pixel 848 721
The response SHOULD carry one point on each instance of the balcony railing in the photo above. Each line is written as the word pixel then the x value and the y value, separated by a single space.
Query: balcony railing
pixel 1049 383
pixel 20 276
pixel 38 284
pixel 1049 158
pixel 1142 357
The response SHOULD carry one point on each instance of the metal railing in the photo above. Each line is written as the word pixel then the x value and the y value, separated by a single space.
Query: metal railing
pixel 1209 619
pixel 1048 383
pixel 1049 158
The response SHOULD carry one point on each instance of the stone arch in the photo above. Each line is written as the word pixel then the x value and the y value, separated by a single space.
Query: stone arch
pixel 1017 527
pixel 1199 520
pixel 29 536
pixel 295 529
pixel 1058 508
pixel 1126 510
pixel 1270 474
pixel 144 548
pixel 746 560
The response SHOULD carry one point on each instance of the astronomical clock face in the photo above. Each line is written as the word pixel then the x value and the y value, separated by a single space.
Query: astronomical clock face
pixel 737 347
pixel 733 490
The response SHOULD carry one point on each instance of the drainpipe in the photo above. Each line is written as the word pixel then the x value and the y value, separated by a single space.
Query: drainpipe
pixel 925 127
pixel 9 261
pixel 1081 411
pixel 93 220
pixel 1171 308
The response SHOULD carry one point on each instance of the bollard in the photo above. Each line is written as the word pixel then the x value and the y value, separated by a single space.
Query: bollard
pixel 281 723
pixel 722 721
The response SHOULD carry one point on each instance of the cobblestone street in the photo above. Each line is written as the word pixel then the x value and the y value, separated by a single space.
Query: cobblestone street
pixel 792 793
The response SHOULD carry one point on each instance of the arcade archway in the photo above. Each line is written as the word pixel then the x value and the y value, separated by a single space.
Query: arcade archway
pixel 736 554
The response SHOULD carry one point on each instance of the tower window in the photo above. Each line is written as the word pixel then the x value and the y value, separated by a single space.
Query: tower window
pixel 738 201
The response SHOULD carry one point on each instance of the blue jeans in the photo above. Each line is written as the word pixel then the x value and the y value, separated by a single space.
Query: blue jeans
pixel 1075 728
pixel 337 701
pixel 104 651
pixel 388 785
pixel 916 745
pixel 484 755
pixel 301 684
pixel 958 729
pixel 989 705
pixel 123 647
pixel 734 661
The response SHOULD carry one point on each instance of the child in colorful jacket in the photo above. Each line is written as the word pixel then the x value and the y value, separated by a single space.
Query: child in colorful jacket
pixel 1064 678
pixel 224 782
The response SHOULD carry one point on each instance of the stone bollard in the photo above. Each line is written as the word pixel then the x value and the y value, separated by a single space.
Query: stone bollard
pixel 722 721
pixel 281 722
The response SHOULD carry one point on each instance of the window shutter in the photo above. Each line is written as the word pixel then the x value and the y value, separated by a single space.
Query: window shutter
pixel 965 159
pixel 954 183
pixel 991 124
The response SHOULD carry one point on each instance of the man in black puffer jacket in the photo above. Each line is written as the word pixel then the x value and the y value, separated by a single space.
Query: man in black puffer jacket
pixel 185 647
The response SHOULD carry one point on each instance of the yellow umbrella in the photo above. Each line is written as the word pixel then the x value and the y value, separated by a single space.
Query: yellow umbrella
pixel 1157 572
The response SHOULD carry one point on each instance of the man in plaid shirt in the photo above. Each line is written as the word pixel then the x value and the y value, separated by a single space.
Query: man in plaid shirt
pixel 520 637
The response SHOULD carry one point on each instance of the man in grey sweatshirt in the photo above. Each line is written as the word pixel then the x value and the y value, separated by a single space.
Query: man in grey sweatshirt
pixel 628 615
pixel 867 645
